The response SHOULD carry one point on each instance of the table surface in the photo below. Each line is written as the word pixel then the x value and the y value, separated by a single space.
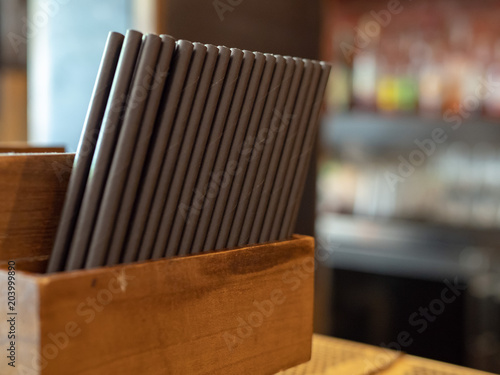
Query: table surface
pixel 340 357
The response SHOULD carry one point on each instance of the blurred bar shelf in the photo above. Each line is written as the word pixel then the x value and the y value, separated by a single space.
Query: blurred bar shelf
pixel 377 131
pixel 406 248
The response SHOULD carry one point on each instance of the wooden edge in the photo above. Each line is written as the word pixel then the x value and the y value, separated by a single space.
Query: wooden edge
pixel 34 267
pixel 17 156
pixel 30 150
pixel 37 264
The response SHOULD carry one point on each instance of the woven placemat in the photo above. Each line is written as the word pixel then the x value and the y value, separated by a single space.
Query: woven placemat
pixel 331 356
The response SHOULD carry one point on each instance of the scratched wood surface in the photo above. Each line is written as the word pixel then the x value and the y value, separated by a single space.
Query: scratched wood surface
pixel 241 311
pixel 32 190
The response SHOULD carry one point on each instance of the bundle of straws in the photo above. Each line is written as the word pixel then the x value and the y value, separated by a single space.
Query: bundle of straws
pixel 188 147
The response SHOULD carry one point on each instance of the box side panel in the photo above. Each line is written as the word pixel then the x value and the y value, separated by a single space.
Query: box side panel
pixel 32 193
pixel 246 311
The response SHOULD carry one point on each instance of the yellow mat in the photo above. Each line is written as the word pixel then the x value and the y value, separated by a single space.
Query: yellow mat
pixel 340 357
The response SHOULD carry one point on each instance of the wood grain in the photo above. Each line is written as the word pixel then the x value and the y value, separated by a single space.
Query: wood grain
pixel 32 190
pixel 174 316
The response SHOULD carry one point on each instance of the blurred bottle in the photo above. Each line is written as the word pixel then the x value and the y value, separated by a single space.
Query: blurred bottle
pixel 457 64
pixel 456 168
pixel 492 97
pixel 387 82
pixel 452 85
pixel 428 59
pixel 475 58
pixel 430 89
pixel 364 78
pixel 407 94
pixel 387 92
pixel 365 67
pixel 338 92
pixel 482 176
pixel 406 75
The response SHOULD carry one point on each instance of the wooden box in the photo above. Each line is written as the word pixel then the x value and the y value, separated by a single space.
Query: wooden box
pixel 240 311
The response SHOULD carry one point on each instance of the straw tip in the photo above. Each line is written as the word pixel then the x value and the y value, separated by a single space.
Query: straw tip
pixel 259 56
pixel 133 32
pixel 236 52
pixel 224 51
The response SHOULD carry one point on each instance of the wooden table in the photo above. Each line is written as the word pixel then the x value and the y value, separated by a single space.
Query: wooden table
pixel 339 357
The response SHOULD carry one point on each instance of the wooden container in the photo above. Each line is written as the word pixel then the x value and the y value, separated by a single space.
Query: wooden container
pixel 240 311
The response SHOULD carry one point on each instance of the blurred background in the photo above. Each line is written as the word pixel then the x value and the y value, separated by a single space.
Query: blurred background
pixel 404 194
